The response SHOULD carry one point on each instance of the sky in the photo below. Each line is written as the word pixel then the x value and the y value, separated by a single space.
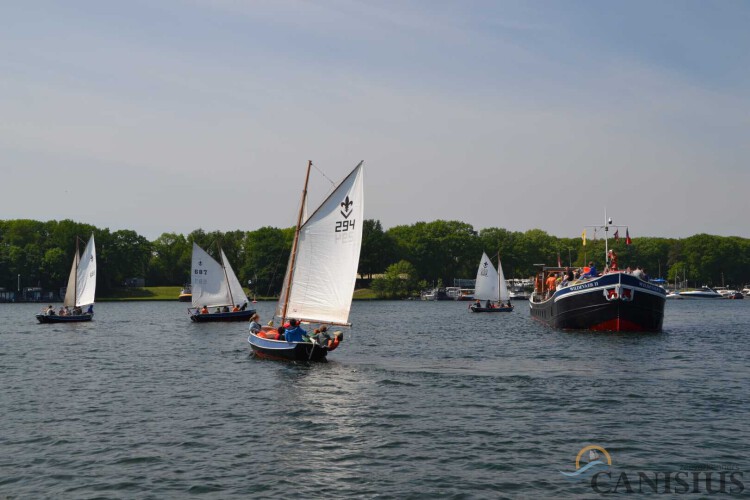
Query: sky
pixel 168 116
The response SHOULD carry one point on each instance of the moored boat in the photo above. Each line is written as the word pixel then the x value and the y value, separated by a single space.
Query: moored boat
pixel 321 273
pixel 615 301
pixel 186 294
pixel 704 292
pixel 81 290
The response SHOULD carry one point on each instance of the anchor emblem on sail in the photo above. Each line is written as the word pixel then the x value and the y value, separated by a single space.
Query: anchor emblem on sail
pixel 347 204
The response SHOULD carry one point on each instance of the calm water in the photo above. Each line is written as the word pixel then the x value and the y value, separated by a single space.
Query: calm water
pixel 422 400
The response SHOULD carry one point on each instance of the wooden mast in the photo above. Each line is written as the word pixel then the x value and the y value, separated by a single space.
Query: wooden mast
pixel 292 261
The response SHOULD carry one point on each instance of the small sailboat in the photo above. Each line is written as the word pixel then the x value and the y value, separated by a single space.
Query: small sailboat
pixel 216 292
pixel 491 288
pixel 81 289
pixel 321 273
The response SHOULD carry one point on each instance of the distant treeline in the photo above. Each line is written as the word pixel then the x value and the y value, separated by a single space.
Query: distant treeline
pixel 424 253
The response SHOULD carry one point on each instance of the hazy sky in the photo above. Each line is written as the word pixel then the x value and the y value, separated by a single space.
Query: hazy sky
pixel 168 116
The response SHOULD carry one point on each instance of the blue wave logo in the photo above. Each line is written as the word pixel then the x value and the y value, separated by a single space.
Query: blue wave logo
pixel 596 462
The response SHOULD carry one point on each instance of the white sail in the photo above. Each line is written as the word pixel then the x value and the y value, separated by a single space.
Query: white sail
pixel 86 275
pixel 209 284
pixel 486 287
pixel 70 291
pixel 504 294
pixel 327 257
pixel 235 288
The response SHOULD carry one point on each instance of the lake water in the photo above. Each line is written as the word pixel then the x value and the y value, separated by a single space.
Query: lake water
pixel 422 400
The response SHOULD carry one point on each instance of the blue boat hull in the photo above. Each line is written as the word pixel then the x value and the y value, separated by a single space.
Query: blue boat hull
pixel 78 318
pixel 490 309
pixel 227 316
pixel 286 351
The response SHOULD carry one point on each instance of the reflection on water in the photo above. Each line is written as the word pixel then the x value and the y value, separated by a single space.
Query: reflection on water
pixel 422 399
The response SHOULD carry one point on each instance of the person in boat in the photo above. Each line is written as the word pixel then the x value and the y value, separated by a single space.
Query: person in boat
pixel 62 312
pixel 295 333
pixel 612 261
pixel 488 304
pixel 280 333
pixel 50 311
pixel 204 310
pixel 244 306
pixel 592 272
pixel 325 339
pixel 567 277
pixel 77 311
pixel 321 336
pixel 255 326
pixel 478 304
pixel 236 308
pixel 225 309
pixel 90 309
pixel 508 304
pixel 638 273
pixel 551 284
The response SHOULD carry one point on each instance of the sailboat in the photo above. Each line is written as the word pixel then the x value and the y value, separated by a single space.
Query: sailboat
pixel 322 270
pixel 216 291
pixel 81 288
pixel 491 288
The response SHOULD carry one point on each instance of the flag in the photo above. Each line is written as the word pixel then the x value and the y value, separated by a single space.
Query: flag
pixel 617 234
pixel 583 237
pixel 628 241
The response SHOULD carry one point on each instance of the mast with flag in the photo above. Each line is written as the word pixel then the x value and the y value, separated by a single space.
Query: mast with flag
pixel 616 235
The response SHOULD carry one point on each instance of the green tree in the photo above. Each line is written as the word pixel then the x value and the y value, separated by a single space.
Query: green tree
pixel 398 282
pixel 378 249
pixel 170 261
pixel 267 254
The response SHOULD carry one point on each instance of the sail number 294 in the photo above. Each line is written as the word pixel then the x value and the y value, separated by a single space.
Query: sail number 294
pixel 344 225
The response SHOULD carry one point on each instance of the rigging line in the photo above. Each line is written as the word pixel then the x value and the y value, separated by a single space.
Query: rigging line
pixel 324 175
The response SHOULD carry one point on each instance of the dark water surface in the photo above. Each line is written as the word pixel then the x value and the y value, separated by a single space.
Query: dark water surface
pixel 423 399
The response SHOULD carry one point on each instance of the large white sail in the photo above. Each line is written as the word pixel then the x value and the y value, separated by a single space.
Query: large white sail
pixel 504 294
pixel 327 257
pixel 486 287
pixel 86 276
pixel 237 293
pixel 70 291
pixel 209 284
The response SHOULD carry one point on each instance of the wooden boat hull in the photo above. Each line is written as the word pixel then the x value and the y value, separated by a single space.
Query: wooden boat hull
pixel 185 297
pixel 287 351
pixel 476 309
pixel 224 316
pixel 613 302
pixel 78 318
